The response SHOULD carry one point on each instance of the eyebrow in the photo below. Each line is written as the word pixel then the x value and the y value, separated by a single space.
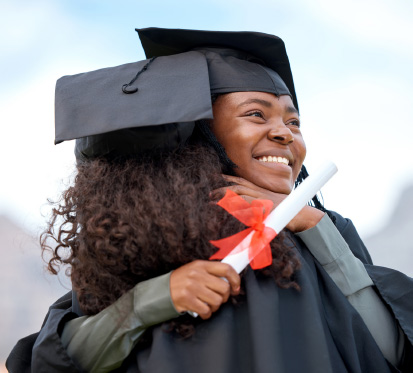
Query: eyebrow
pixel 289 109
pixel 255 101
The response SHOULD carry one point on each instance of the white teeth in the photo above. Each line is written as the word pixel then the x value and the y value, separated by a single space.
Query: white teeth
pixel 283 160
pixel 273 159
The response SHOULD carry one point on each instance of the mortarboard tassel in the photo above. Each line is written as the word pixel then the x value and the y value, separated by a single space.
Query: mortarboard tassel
pixel 134 90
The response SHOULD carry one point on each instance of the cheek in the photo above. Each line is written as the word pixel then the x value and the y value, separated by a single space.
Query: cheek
pixel 235 141
pixel 238 149
pixel 303 150
pixel 300 152
pixel 298 147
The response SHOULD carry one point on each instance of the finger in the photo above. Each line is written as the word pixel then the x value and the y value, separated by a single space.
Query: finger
pixel 220 286
pixel 225 270
pixel 238 180
pixel 198 299
pixel 247 191
pixel 219 277
pixel 217 194
pixel 244 182
pixel 201 308
pixel 211 298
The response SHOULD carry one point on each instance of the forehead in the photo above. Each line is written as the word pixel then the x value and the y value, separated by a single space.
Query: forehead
pixel 239 100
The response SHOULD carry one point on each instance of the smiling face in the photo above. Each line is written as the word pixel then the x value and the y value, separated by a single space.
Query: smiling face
pixel 261 135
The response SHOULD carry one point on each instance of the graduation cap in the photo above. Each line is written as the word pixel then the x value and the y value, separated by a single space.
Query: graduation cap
pixel 154 103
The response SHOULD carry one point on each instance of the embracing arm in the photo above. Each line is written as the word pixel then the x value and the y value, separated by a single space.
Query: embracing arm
pixel 101 342
pixel 109 336
pixel 68 343
pixel 329 247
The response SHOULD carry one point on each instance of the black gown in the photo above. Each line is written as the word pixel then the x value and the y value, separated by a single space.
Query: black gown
pixel 274 330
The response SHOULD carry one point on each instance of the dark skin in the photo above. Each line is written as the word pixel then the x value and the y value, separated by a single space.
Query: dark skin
pixel 261 135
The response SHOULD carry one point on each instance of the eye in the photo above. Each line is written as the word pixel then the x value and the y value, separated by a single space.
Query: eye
pixel 255 113
pixel 295 123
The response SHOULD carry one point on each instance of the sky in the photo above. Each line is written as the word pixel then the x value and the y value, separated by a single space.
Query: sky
pixel 351 61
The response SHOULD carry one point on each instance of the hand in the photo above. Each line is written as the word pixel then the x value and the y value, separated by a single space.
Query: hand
pixel 307 218
pixel 202 286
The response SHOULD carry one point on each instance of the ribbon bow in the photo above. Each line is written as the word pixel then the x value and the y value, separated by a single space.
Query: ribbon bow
pixel 253 216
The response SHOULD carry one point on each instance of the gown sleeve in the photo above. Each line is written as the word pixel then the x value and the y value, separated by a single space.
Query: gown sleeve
pixel 109 336
pixel 393 287
pixel 349 274
pixel 66 345
pixel 20 358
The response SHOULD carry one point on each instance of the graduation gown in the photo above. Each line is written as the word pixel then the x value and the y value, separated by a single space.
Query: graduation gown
pixel 282 330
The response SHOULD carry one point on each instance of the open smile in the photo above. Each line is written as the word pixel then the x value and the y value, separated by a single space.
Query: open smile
pixel 273 159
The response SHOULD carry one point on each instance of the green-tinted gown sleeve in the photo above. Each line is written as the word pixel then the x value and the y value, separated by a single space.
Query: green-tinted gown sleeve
pixel 328 246
pixel 101 342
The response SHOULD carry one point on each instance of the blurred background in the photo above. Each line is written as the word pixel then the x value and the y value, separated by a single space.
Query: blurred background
pixel 352 65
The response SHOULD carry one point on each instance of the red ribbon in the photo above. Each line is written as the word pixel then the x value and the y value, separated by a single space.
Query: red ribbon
pixel 253 216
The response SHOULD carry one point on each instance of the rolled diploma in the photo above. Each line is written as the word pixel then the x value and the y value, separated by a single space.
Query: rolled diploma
pixel 282 214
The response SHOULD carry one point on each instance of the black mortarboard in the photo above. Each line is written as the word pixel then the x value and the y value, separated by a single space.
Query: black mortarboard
pixel 154 103
pixel 232 47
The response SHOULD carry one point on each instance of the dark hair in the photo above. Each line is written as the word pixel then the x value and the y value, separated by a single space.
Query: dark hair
pixel 132 219
pixel 124 221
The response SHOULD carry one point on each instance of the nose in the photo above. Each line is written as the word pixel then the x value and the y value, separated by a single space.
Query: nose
pixel 281 134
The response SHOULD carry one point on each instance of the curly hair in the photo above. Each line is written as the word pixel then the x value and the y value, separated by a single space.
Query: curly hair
pixel 128 220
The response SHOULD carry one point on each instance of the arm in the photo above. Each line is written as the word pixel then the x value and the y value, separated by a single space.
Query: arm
pixel 101 342
pixel 331 250
pixel 110 336
pixel 328 246
pixel 20 357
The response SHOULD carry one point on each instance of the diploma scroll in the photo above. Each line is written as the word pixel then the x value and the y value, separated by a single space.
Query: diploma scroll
pixel 282 214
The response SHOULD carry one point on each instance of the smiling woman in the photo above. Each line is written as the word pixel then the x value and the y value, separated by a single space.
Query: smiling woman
pixel 138 221
pixel 261 135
